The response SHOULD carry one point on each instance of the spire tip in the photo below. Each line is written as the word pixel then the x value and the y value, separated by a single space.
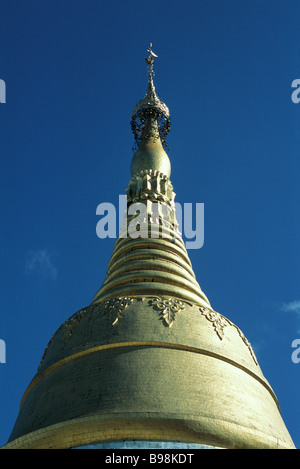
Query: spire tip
pixel 152 106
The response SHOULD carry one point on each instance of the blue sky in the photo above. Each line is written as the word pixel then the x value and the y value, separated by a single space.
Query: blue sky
pixel 74 71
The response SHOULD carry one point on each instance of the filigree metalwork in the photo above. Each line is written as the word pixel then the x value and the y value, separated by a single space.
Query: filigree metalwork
pixel 219 322
pixel 150 106
pixel 114 308
pixel 169 307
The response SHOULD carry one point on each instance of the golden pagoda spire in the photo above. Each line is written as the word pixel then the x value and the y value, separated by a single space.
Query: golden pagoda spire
pixel 150 125
pixel 149 360
pixel 152 261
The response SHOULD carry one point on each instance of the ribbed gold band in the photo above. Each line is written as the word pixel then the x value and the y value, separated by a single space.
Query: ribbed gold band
pixel 145 344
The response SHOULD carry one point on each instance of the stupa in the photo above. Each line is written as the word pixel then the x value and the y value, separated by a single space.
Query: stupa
pixel 149 363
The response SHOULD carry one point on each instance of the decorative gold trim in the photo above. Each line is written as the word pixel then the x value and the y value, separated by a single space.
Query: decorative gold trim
pixel 220 322
pixel 169 307
pixel 114 308
pixel 167 345
pixel 67 327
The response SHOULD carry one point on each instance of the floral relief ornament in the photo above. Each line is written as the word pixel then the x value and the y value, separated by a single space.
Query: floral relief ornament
pixel 218 321
pixel 169 307
pixel 115 306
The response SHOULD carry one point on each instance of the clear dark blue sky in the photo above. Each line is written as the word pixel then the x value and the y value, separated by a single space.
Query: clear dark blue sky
pixel 74 71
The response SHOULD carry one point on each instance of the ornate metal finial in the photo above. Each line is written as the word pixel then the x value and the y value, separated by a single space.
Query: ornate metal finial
pixel 151 51
pixel 150 60
pixel 150 106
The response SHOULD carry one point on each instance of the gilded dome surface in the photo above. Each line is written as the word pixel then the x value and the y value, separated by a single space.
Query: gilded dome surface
pixel 145 366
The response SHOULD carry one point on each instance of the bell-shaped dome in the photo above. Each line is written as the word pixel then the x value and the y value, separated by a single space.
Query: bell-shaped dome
pixel 149 368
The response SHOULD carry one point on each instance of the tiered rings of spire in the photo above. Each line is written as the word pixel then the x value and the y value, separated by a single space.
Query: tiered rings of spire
pixel 155 261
